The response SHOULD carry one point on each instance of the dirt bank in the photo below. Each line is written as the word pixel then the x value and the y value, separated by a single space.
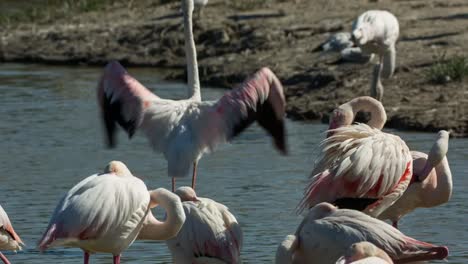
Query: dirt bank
pixel 283 35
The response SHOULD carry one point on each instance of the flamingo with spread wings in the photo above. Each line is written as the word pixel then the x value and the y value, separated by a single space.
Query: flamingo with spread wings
pixel 327 232
pixel 210 234
pixel 361 167
pixel 105 213
pixel 183 130
pixel 9 240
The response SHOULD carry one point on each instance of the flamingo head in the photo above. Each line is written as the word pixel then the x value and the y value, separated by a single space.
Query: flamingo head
pixel 361 34
pixel 341 116
pixel 187 6
pixel 186 194
pixel 118 168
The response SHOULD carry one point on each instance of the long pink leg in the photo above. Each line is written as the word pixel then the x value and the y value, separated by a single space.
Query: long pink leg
pixel 86 257
pixel 173 184
pixel 4 259
pixel 117 259
pixel 194 174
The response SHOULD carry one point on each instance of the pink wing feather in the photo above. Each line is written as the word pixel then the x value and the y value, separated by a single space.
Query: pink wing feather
pixel 260 98
pixel 360 162
pixel 122 100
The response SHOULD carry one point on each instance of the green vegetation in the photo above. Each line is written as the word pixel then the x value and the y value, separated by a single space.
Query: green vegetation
pixel 447 70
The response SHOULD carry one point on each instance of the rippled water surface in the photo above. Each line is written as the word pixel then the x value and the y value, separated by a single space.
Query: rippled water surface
pixel 51 138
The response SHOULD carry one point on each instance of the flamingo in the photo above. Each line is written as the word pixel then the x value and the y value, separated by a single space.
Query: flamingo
pixel 365 253
pixel 185 129
pixel 105 212
pixel 431 185
pixel 376 31
pixel 361 167
pixel 210 234
pixel 9 240
pixel 327 232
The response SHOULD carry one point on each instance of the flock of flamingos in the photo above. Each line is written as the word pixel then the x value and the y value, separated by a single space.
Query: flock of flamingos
pixel 363 175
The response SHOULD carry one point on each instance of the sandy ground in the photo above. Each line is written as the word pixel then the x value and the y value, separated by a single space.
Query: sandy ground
pixel 285 36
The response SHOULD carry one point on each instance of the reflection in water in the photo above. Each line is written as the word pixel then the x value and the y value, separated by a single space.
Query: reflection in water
pixel 52 138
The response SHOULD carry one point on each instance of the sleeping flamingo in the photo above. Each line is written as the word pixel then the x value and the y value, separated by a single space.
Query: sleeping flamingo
pixel 327 232
pixel 185 129
pixel 361 167
pixel 376 31
pixel 105 212
pixel 365 253
pixel 210 233
pixel 9 240
pixel 431 185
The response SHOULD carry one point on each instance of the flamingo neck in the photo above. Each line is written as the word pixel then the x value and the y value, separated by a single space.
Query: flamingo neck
pixel 369 104
pixel 191 57
pixel 376 85
pixel 443 192
pixel 153 229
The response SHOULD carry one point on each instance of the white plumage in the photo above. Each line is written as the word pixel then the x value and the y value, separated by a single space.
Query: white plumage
pixel 364 253
pixel 377 31
pixel 432 184
pixel 359 161
pixel 9 240
pixel 210 234
pixel 185 129
pixel 327 232
pixel 102 213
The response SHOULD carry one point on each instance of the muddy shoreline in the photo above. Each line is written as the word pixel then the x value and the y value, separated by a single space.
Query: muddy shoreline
pixel 285 36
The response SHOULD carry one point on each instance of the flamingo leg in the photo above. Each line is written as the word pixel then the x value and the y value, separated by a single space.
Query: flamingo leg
pixel 173 184
pixel 194 174
pixel 117 259
pixel 4 259
pixel 86 257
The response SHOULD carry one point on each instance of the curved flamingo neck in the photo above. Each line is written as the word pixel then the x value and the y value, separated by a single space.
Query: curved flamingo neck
pixel 153 229
pixel 191 54
pixel 369 104
pixel 444 182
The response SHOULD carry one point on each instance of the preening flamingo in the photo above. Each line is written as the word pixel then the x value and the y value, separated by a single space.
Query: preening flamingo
pixel 431 185
pixel 365 253
pixel 210 234
pixel 105 213
pixel 327 232
pixel 376 31
pixel 361 167
pixel 185 129
pixel 9 240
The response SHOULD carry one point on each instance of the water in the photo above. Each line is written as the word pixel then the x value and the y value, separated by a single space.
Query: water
pixel 52 138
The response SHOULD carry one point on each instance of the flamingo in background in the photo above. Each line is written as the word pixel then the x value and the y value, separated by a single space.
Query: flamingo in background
pixel 210 233
pixel 361 167
pixel 431 185
pixel 376 31
pixel 365 253
pixel 185 129
pixel 327 232
pixel 105 212
pixel 9 240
